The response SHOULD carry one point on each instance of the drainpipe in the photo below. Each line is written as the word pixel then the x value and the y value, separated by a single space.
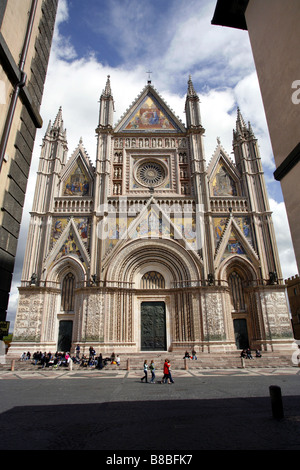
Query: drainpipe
pixel 19 85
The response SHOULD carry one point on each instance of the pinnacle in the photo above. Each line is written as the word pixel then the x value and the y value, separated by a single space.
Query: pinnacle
pixel 107 90
pixel 191 89
pixel 58 120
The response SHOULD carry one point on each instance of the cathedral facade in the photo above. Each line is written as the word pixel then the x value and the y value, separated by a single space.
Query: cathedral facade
pixel 151 248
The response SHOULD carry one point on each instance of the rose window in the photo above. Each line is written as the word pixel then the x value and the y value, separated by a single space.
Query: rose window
pixel 150 174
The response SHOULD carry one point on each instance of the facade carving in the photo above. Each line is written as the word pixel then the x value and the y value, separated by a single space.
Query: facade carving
pixel 151 248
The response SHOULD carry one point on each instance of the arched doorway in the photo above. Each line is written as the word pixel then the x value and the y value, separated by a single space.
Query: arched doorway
pixel 155 274
pixel 153 314
pixel 239 310
pixel 239 274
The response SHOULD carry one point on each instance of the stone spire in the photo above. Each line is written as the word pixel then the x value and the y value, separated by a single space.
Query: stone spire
pixel 241 129
pixel 192 108
pixel 57 129
pixel 191 90
pixel 107 90
pixel 58 120
pixel 106 107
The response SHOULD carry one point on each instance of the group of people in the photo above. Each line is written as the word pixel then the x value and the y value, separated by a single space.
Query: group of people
pixel 48 359
pixel 25 356
pixel 93 360
pixel 247 354
pixel 167 376
pixel 188 356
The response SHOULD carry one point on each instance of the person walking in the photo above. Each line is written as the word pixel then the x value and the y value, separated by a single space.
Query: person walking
pixel 152 369
pixel 170 375
pixel 167 373
pixel 145 372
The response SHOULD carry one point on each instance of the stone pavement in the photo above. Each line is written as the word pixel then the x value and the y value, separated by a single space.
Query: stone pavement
pixel 64 373
pixel 114 412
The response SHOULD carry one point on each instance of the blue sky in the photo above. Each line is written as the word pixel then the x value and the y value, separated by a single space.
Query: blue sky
pixel 172 39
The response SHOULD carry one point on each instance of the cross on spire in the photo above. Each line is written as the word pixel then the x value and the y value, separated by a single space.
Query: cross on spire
pixel 149 77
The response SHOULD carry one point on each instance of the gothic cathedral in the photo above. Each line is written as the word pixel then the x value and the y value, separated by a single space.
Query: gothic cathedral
pixel 151 248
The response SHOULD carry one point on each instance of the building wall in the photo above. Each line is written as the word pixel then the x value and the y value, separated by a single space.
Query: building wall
pixel 273 27
pixel 293 292
pixel 25 118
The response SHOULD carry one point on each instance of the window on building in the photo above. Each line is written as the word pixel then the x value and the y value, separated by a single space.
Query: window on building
pixel 152 280
pixel 237 292
pixel 67 293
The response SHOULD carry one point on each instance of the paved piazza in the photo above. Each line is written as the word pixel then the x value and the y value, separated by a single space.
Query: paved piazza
pixel 124 374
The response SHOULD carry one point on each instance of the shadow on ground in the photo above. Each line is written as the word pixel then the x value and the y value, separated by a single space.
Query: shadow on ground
pixel 223 424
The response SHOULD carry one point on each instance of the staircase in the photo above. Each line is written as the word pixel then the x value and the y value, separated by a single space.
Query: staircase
pixel 205 361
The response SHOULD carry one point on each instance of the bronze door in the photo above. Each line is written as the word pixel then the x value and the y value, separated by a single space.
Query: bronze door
pixel 65 336
pixel 153 326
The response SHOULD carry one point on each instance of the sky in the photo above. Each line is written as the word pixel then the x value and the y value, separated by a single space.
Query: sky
pixel 172 39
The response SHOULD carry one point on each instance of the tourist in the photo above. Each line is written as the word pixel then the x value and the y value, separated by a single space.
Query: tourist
pixel 244 353
pixel 167 377
pixel 194 354
pixel 145 372
pixel 118 360
pixel 249 355
pixel 152 369
pixel 170 375
pixel 100 362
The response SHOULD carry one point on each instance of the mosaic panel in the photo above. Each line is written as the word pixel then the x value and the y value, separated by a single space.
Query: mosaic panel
pixel 149 117
pixel 223 184
pixel 70 247
pixel 77 183
pixel 60 223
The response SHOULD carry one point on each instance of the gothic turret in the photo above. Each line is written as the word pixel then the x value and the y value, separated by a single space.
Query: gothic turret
pixel 248 162
pixel 192 108
pixel 106 106
pixel 52 159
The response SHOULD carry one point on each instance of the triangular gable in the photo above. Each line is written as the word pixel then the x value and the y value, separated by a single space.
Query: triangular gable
pixel 151 223
pixel 149 113
pixel 223 175
pixel 234 241
pixel 77 175
pixel 59 223
pixel 71 244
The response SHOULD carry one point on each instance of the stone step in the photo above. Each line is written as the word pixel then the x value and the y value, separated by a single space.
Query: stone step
pixel 204 361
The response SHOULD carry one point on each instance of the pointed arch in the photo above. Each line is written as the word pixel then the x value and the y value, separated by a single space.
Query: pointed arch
pixel 69 245
pixel 62 267
pixel 244 268
pixel 233 240
pixel 76 179
pixel 67 292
